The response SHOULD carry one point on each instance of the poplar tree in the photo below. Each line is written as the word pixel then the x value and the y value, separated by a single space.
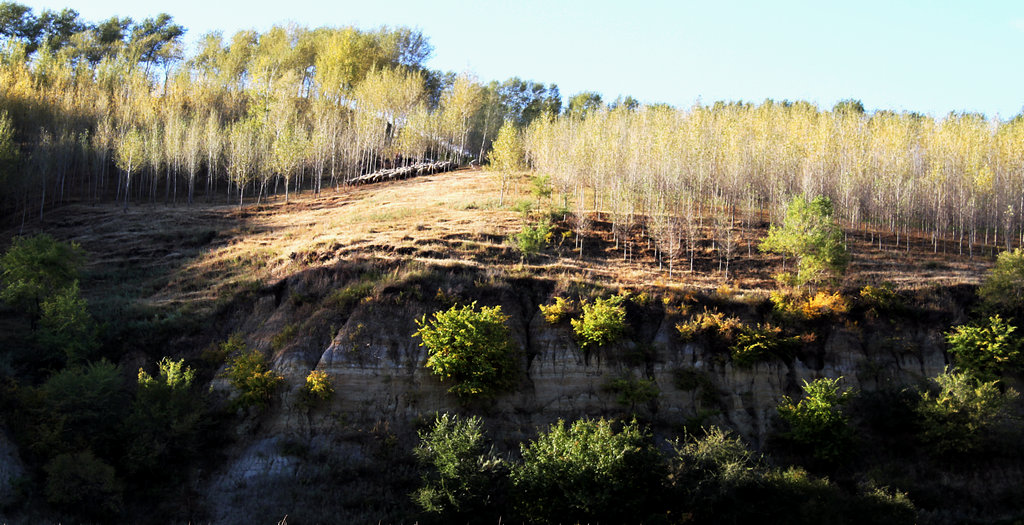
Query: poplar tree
pixel 506 156
pixel 129 149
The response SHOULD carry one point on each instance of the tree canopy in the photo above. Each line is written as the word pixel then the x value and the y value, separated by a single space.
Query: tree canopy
pixel 810 234
pixel 34 268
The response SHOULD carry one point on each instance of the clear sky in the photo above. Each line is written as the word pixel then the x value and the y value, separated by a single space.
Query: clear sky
pixel 931 56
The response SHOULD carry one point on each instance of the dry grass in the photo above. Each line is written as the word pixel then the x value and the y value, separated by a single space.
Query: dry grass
pixel 175 255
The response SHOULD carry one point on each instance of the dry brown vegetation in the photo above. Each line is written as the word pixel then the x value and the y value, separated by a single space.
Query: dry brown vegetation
pixel 166 256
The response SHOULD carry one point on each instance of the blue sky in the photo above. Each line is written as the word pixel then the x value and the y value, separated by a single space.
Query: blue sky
pixel 927 56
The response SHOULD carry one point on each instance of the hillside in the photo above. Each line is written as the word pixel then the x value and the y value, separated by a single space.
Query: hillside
pixel 334 282
pixel 170 255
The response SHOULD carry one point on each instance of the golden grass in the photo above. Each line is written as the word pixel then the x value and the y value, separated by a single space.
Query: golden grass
pixel 445 219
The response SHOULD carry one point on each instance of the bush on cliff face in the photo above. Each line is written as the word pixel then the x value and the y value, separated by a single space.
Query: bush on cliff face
pixel 755 344
pixel 558 312
pixel 987 349
pixel 1002 292
pixel 317 390
pixel 471 348
pixel 255 382
pixel 603 322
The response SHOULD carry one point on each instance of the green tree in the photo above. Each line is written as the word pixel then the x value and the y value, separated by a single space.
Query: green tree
pixel 810 234
pixel 1002 291
pixel 17 22
pixel 818 420
pixel 465 481
pixel 65 326
pixel 34 268
pixel 524 101
pixel 603 322
pixel 709 470
pixel 470 347
pixel 83 484
pixel 156 39
pixel 507 156
pixel 582 104
pixel 849 106
pixel 58 27
pixel 627 103
pixel 8 150
pixel 588 473
pixel 962 412
pixel 129 155
pixel 987 349
pixel 88 405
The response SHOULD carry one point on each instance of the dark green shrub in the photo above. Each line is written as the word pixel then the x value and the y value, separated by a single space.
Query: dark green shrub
pixel 1002 291
pixel 533 238
pixel 540 187
pixel 603 322
pixel 464 481
pixel 252 378
pixel 470 348
pixel 524 208
pixel 986 349
pixel 818 421
pixel 589 473
pixel 707 469
pixel 84 485
pixel 715 478
pixel 89 404
pixel 349 296
pixel 962 412
pixel 65 326
pixel 34 268
pixel 283 337
pixel 631 391
pixel 791 496
pixel 697 381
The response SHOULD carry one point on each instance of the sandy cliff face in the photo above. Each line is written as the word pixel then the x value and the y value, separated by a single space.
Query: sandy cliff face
pixel 378 372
